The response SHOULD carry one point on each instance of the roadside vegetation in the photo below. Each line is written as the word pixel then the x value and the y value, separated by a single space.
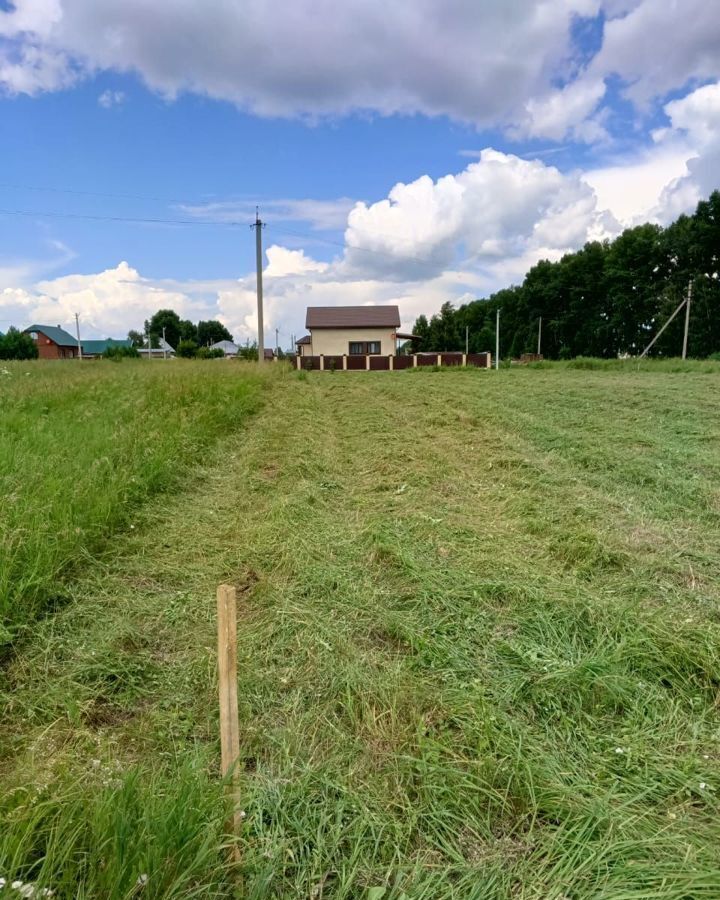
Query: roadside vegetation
pixel 478 643
pixel 81 447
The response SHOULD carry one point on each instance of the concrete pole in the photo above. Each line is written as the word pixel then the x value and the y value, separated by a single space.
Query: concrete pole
pixel 77 332
pixel 497 339
pixel 539 335
pixel 687 319
pixel 258 268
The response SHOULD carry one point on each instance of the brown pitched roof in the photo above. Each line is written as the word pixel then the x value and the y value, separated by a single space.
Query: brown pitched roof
pixel 352 317
pixel 305 340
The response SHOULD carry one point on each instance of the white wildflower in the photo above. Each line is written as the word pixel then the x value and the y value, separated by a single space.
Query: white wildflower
pixel 619 750
pixel 16 885
pixel 27 890
pixel 703 785
pixel 142 879
pixel 2 883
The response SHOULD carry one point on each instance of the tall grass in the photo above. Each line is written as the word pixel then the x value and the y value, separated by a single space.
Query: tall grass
pixel 81 446
pixel 478 654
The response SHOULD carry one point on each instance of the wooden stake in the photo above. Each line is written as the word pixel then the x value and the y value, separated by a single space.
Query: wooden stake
pixel 227 679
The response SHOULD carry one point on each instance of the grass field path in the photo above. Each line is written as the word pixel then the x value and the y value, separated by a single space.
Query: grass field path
pixel 478 632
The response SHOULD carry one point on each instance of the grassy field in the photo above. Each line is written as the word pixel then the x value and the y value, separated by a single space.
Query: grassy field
pixel 479 653
pixel 80 447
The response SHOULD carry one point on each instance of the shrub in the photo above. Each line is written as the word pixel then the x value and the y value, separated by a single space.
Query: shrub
pixel 17 345
pixel 118 353
pixel 187 349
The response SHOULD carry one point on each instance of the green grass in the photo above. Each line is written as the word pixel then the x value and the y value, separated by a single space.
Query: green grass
pixel 81 446
pixel 478 643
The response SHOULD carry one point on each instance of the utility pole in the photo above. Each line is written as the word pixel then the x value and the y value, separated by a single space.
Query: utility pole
pixel 258 226
pixel 277 342
pixel 687 318
pixel 497 339
pixel 149 343
pixel 467 331
pixel 77 332
pixel 539 335
pixel 164 344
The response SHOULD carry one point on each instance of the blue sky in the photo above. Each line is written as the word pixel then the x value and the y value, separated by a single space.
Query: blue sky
pixel 425 153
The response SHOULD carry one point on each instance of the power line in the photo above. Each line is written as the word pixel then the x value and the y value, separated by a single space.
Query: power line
pixel 136 220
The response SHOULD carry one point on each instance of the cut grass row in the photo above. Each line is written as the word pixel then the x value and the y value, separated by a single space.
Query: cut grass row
pixel 81 446
pixel 478 642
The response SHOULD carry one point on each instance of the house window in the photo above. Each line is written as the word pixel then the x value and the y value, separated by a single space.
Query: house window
pixel 363 347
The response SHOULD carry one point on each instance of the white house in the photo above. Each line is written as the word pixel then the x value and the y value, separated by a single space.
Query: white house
pixel 351 330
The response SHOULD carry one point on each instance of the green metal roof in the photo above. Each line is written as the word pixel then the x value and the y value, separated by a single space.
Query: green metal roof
pixel 97 348
pixel 55 333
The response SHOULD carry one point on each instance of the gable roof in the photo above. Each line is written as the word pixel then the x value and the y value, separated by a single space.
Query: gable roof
pixel 55 333
pixel 97 348
pixel 225 346
pixel 304 340
pixel 352 317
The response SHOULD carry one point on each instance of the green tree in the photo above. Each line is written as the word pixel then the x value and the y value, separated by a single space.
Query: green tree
pixel 188 331
pixel 17 345
pixel 211 332
pixel 136 337
pixel 170 321
pixel 186 349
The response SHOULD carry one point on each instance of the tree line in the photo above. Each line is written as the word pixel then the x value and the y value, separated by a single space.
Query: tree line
pixel 608 299
pixel 184 336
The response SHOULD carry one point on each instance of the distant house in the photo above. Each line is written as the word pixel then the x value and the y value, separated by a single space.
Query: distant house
pixel 268 353
pixel 162 351
pixel 53 342
pixel 351 330
pixel 228 347
pixel 94 349
pixel 304 346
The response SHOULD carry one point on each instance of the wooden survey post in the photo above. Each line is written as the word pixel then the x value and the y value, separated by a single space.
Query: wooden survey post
pixel 227 683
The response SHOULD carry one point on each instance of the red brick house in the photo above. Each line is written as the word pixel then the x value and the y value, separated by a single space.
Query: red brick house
pixel 53 342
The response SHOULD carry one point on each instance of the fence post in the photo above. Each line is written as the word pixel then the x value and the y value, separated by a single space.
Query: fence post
pixel 488 360
pixel 367 362
pixel 227 684
pixel 344 362
pixel 322 362
pixel 439 359
pixel 299 362
pixel 391 363
pixel 464 362
pixel 414 360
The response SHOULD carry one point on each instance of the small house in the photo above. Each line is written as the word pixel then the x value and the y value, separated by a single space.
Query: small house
pixel 351 330
pixel 53 342
pixel 95 349
pixel 228 347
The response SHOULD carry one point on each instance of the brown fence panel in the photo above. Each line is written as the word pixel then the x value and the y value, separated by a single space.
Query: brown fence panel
pixel 333 363
pixel 477 359
pixel 379 363
pixel 427 359
pixel 356 362
pixel 403 362
pixel 451 359
pixel 310 362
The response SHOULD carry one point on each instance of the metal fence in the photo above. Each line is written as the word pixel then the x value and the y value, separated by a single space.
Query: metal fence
pixel 377 363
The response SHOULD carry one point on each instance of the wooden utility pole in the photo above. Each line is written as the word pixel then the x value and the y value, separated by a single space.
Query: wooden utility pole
pixel 539 335
pixel 687 319
pixel 227 683
pixel 467 334
pixel 497 338
pixel 77 332
pixel 164 344
pixel 277 342
pixel 258 226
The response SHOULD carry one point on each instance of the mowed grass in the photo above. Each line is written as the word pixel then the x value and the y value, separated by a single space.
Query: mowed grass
pixel 81 446
pixel 478 642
